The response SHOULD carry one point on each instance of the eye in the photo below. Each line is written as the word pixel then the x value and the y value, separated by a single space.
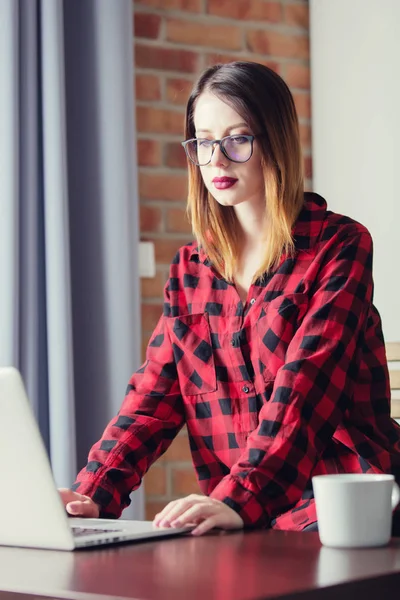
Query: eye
pixel 239 139
pixel 204 143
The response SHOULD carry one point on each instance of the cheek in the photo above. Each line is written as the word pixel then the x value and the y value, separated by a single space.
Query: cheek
pixel 206 176
pixel 253 175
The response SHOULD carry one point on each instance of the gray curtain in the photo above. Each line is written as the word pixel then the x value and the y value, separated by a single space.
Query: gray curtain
pixel 69 291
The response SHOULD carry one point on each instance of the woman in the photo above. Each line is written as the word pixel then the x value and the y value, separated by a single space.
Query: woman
pixel 270 349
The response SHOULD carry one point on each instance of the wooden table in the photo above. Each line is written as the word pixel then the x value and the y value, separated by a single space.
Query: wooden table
pixel 221 566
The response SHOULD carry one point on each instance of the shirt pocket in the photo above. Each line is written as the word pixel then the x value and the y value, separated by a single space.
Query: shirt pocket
pixel 191 344
pixel 276 326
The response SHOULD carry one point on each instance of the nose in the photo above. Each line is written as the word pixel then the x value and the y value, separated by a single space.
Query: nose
pixel 218 158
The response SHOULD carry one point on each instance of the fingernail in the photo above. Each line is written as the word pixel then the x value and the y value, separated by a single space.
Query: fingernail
pixel 165 523
pixel 176 524
pixel 196 532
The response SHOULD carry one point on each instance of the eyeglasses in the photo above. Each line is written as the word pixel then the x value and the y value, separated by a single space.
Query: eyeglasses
pixel 237 148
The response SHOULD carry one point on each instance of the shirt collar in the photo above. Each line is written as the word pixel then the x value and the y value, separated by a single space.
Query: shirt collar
pixel 307 228
pixel 305 231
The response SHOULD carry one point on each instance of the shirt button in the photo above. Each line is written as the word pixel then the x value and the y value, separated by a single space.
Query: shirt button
pixel 252 301
pixel 245 389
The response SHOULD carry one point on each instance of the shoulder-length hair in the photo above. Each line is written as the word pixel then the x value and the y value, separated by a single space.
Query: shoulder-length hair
pixel 264 101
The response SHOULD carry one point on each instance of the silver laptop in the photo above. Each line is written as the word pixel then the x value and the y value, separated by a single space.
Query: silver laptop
pixel 31 511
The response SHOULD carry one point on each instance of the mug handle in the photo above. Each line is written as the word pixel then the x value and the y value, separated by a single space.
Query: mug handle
pixel 395 495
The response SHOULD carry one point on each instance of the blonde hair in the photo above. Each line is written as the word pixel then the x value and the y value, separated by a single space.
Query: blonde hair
pixel 264 100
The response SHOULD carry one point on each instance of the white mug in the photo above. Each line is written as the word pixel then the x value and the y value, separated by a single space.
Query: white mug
pixel 355 510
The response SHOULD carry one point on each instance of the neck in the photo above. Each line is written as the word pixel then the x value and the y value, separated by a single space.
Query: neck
pixel 251 218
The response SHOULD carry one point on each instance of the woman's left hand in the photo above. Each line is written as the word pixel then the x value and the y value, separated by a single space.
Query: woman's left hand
pixel 202 511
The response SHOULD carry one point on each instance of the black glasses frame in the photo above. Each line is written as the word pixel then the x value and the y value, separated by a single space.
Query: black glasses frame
pixel 213 143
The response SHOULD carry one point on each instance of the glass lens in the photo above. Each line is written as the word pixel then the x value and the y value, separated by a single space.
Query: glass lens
pixel 191 150
pixel 199 151
pixel 237 147
pixel 204 151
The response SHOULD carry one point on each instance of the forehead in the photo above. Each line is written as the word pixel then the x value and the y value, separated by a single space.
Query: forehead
pixel 213 114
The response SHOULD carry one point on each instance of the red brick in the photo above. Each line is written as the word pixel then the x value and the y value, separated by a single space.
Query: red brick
pixel 177 221
pixel 147 87
pixel 178 90
pixel 184 482
pixel 186 5
pixel 278 44
pixel 153 507
pixel 151 314
pixel 216 57
pixel 155 481
pixel 147 26
pixel 174 156
pixel 169 59
pixel 159 120
pixel 149 153
pixel 201 34
pixel 308 167
pixel 305 135
pixel 179 450
pixel 153 287
pixel 166 249
pixel 298 76
pixel 297 14
pixel 303 105
pixel 245 10
pixel 163 187
pixel 150 218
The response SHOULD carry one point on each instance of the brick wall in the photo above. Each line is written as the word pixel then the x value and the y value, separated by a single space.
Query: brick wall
pixel 174 41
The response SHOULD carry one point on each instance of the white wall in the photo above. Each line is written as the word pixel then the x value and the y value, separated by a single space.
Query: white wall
pixel 355 79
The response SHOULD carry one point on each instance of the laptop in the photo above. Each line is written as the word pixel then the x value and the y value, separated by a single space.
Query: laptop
pixel 32 514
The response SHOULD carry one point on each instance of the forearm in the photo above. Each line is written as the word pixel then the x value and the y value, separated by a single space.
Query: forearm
pixel 117 463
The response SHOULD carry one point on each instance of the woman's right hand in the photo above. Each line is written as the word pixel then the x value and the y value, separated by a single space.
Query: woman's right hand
pixel 78 505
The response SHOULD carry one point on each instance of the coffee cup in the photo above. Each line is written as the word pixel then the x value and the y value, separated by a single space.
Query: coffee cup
pixel 354 510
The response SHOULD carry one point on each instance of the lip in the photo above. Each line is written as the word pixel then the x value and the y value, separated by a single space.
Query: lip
pixel 223 183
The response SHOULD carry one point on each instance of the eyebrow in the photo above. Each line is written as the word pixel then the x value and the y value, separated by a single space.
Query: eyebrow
pixel 226 130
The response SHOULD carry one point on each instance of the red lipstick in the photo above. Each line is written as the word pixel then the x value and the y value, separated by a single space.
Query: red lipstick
pixel 223 183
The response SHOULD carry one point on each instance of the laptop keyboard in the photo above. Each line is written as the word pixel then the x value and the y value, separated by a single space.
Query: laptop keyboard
pixel 80 531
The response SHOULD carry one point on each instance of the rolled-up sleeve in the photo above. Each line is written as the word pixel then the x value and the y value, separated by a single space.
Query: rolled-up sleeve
pixel 312 390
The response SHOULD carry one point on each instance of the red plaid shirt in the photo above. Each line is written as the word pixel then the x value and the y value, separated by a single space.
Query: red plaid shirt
pixel 291 385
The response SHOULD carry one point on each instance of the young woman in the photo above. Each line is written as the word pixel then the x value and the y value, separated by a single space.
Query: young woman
pixel 270 349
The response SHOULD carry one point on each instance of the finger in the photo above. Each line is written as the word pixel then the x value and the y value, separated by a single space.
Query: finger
pixel 175 508
pixel 85 508
pixel 161 516
pixel 173 512
pixel 68 495
pixel 195 513
pixel 182 507
pixel 206 525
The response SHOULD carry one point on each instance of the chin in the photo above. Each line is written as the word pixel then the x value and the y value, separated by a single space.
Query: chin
pixel 227 203
pixel 227 199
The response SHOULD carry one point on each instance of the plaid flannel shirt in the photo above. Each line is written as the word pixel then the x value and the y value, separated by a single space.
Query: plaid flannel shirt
pixel 293 384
